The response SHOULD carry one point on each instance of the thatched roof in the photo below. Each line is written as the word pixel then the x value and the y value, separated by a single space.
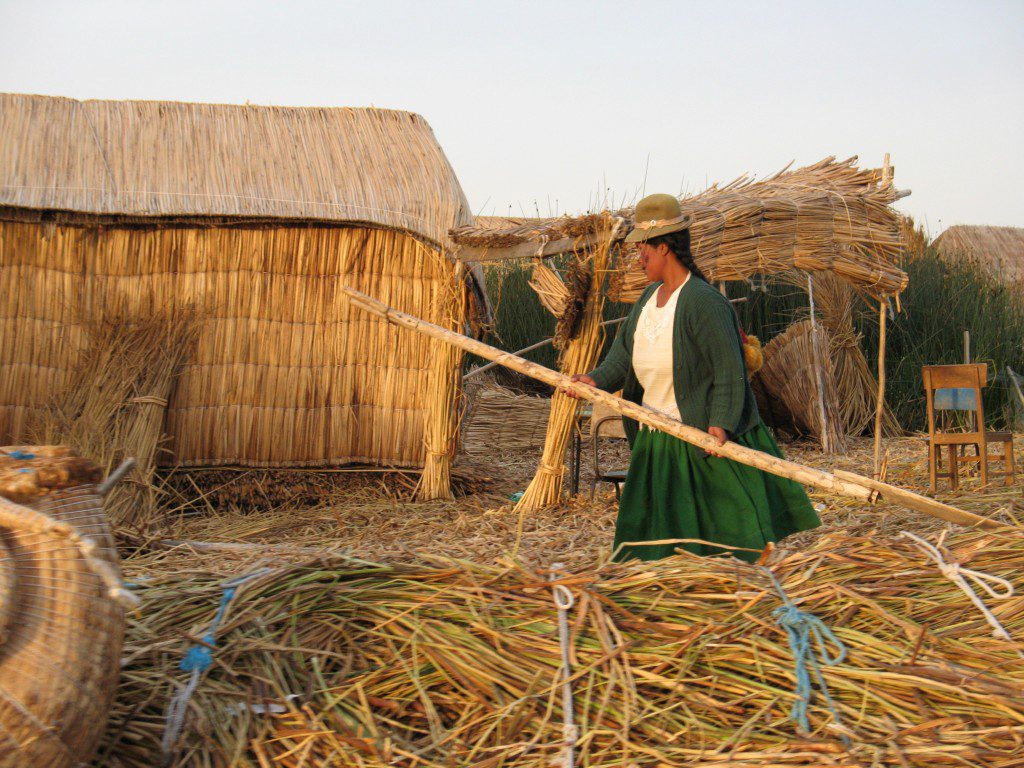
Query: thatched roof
pixel 1000 249
pixel 383 168
pixel 829 216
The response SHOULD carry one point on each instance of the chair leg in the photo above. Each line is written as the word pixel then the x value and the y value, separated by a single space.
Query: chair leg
pixel 1008 461
pixel 954 469
pixel 933 455
pixel 983 461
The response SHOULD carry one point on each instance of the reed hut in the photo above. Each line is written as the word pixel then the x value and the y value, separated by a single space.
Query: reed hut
pixel 830 217
pixel 1000 250
pixel 251 217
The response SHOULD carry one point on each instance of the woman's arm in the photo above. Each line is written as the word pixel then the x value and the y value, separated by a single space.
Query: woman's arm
pixel 610 375
pixel 716 336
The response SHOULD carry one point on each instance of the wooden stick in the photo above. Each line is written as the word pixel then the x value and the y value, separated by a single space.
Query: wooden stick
pixel 651 418
pixel 880 404
pixel 843 483
pixel 916 501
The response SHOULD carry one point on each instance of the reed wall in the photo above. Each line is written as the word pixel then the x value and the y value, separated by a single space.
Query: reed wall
pixel 285 372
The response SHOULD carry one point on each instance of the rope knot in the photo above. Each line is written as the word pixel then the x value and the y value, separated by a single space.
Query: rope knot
pixel 809 640
pixel 199 657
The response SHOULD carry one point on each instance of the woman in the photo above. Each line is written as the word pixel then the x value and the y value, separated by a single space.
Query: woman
pixel 679 352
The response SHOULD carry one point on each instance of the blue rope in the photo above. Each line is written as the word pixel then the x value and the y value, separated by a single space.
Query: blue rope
pixel 21 455
pixel 805 631
pixel 200 657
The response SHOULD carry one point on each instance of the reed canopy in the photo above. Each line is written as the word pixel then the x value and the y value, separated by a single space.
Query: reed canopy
pixel 999 250
pixel 251 218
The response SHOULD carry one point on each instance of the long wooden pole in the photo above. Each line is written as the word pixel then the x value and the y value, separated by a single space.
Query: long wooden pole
pixel 848 484
pixel 880 401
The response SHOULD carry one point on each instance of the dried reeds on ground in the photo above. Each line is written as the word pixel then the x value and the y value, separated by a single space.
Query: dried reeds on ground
pixel 115 404
pixel 678 662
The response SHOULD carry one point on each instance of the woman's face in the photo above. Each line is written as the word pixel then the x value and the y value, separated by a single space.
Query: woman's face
pixel 653 258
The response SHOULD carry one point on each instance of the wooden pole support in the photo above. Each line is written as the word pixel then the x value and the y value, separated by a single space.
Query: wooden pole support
pixel 880 401
pixel 844 483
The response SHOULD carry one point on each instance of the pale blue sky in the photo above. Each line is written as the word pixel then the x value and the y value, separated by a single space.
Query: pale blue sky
pixel 554 103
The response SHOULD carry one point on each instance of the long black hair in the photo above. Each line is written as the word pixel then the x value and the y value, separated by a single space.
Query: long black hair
pixel 679 244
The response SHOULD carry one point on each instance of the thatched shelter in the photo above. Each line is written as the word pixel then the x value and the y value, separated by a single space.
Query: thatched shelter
pixel 830 217
pixel 1000 250
pixel 251 217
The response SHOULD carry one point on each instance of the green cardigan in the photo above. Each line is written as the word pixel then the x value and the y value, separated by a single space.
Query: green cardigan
pixel 708 371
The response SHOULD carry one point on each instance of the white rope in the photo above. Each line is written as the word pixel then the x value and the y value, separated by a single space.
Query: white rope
pixel 176 709
pixel 564 602
pixel 960 575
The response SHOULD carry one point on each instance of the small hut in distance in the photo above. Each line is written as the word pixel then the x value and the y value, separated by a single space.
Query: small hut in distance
pixel 255 215
pixel 1000 250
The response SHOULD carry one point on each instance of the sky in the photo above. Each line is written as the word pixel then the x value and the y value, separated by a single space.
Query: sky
pixel 554 107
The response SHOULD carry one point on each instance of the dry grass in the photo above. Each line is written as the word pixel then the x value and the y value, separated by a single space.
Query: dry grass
pixel 439 662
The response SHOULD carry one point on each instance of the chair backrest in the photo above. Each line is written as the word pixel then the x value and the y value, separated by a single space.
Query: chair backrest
pixel 955 388
pixel 969 376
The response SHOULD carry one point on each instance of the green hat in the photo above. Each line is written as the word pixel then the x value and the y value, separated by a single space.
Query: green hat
pixel 657 215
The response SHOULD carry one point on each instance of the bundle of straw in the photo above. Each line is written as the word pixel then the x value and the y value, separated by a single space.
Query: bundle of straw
pixel 830 216
pixel 798 382
pixel 856 386
pixel 578 356
pixel 115 403
pixel 552 292
pixel 675 662
pixel 444 393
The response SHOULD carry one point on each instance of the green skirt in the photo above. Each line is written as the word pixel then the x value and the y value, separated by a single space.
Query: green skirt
pixel 675 491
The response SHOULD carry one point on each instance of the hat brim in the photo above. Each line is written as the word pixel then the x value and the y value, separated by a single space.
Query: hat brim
pixel 637 235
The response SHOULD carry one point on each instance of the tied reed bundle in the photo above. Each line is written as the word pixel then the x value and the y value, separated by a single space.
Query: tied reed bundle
pixel 444 393
pixel 674 662
pixel 116 400
pixel 579 356
pixel 791 376
pixel 856 387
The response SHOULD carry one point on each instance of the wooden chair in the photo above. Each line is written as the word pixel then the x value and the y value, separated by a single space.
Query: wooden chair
pixel 958 388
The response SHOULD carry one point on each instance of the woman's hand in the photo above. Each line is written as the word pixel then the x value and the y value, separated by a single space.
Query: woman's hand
pixel 720 436
pixel 582 378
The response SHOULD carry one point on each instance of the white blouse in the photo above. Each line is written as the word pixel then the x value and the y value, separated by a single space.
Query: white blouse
pixel 652 353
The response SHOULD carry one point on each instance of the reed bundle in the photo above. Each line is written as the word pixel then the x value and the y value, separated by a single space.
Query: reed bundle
pixel 792 378
pixel 444 394
pixel 550 289
pixel 676 662
pixel 856 386
pixel 582 335
pixel 115 402
pixel 831 216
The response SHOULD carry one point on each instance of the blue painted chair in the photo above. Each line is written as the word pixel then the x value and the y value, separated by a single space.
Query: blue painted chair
pixel 958 388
